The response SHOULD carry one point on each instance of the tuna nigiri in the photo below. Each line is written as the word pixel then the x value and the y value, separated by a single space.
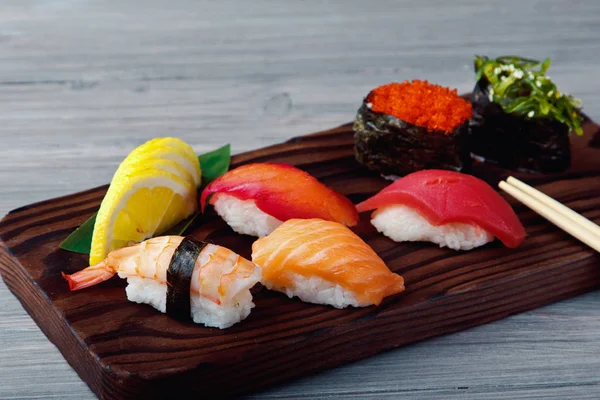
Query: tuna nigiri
pixel 444 207
pixel 324 262
pixel 254 199
pixel 180 276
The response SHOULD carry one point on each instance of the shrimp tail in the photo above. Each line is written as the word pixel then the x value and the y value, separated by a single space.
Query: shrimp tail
pixel 90 276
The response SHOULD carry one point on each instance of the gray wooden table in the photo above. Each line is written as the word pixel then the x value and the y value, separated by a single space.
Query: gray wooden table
pixel 83 82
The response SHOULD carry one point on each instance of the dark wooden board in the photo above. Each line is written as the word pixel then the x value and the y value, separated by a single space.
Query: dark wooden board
pixel 127 350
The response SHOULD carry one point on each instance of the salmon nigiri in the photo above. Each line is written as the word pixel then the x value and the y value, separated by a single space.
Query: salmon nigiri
pixel 444 207
pixel 185 278
pixel 324 262
pixel 254 199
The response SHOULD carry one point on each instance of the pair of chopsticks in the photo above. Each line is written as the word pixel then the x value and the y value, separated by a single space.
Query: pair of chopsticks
pixel 560 215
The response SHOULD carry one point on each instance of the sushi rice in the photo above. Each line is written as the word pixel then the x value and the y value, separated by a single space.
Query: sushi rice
pixel 204 311
pixel 244 216
pixel 403 224
pixel 316 290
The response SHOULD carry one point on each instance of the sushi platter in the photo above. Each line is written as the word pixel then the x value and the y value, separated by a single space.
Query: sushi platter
pixel 125 350
pixel 408 291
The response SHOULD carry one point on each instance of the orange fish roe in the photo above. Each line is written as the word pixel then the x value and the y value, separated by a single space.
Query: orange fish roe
pixel 421 103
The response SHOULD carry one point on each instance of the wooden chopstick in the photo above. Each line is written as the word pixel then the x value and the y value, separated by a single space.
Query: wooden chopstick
pixel 555 205
pixel 560 215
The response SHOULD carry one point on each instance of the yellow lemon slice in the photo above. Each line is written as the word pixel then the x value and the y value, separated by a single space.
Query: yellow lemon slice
pixel 153 189
pixel 168 148
pixel 131 167
pixel 139 205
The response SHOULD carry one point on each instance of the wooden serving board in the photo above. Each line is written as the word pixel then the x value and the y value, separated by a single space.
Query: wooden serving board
pixel 127 350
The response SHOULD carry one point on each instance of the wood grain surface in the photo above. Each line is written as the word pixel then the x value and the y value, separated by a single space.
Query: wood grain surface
pixel 83 82
pixel 129 351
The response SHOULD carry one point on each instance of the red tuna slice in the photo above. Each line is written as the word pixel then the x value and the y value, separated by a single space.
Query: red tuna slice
pixel 284 192
pixel 444 197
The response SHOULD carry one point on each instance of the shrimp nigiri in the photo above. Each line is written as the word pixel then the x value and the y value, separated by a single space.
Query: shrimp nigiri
pixel 254 199
pixel 180 276
pixel 324 262
pixel 444 207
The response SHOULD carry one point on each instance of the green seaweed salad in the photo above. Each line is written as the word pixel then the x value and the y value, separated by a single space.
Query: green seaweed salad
pixel 520 86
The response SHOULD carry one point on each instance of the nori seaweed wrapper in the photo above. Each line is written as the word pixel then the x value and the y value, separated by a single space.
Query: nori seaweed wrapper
pixel 514 141
pixel 179 278
pixel 391 146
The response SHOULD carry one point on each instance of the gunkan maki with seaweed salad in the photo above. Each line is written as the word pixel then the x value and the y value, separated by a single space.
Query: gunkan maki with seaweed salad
pixel 520 119
pixel 405 127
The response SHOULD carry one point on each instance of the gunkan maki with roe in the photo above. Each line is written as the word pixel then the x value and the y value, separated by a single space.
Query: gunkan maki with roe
pixel 520 119
pixel 405 127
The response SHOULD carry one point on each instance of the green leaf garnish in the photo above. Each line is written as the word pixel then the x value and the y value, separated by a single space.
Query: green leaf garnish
pixel 80 241
pixel 213 164
pixel 520 86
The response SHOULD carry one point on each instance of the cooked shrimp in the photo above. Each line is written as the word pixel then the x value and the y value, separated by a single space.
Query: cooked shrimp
pixel 149 259
pixel 218 276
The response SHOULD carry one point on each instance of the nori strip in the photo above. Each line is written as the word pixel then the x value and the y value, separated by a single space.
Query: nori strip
pixel 516 142
pixel 391 146
pixel 179 278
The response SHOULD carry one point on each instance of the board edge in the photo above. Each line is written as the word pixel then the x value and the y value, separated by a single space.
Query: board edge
pixel 38 306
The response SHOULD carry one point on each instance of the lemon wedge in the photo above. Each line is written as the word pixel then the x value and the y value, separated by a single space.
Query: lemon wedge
pixel 153 189
pixel 168 148
pixel 131 167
